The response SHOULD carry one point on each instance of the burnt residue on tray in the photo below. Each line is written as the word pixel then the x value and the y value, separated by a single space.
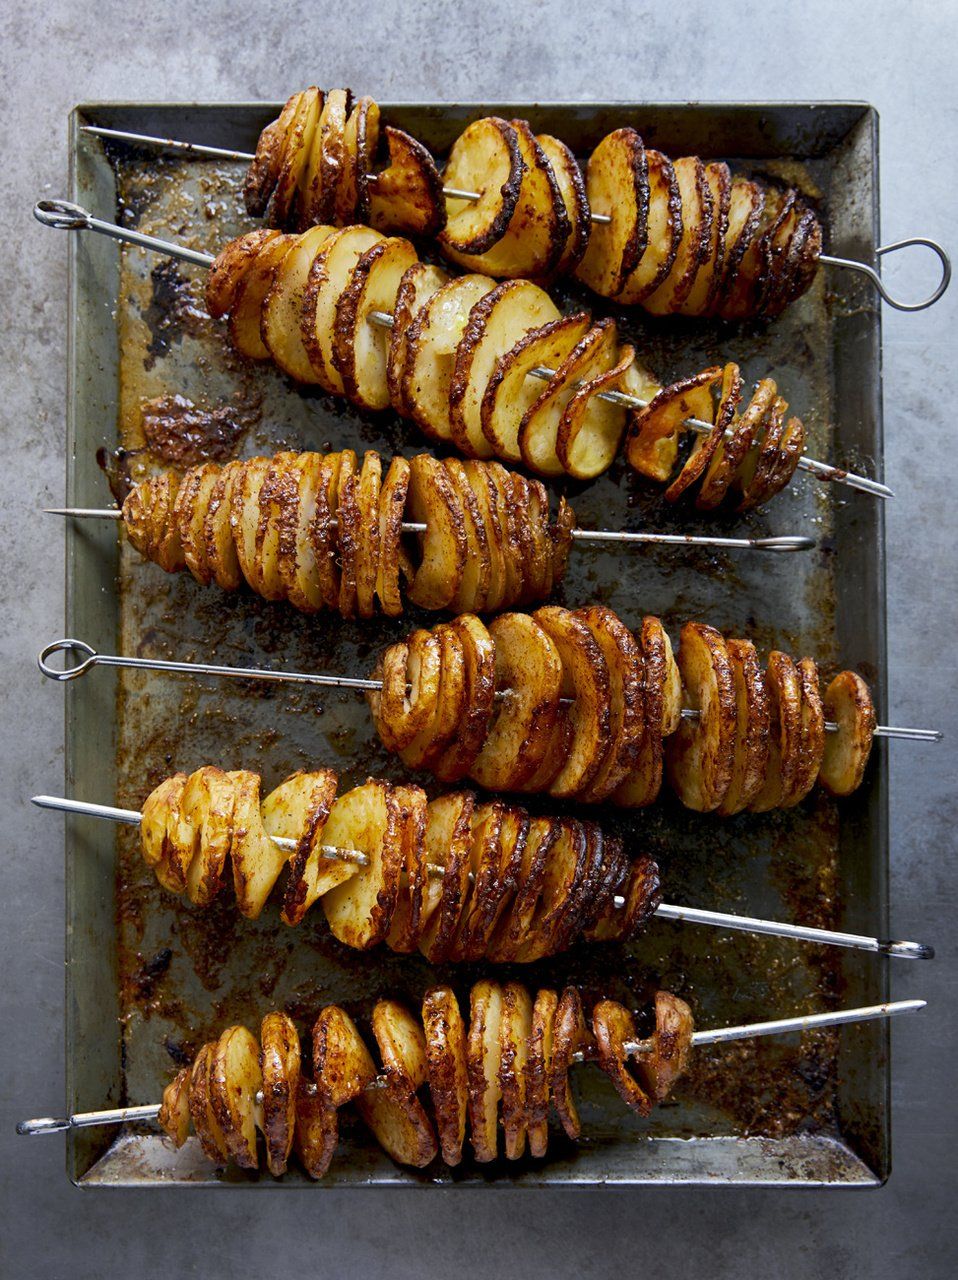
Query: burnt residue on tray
pixel 223 968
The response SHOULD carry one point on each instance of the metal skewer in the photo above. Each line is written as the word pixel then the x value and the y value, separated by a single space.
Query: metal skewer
pixel 600 219
pixel 784 542
pixel 66 216
pixel 700 1039
pixel 92 659
pixel 667 911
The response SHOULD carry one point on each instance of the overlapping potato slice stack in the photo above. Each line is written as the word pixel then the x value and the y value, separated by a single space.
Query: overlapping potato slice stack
pixel 502 1070
pixel 682 237
pixel 570 702
pixel 452 878
pixel 324 531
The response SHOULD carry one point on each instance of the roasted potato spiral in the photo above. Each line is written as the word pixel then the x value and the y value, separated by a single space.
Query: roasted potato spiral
pixel 572 703
pixel 505 1065
pixel 325 532
pixel 459 357
pixel 683 237
pixel 512 888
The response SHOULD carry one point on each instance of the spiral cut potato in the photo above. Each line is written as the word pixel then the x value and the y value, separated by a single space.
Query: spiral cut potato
pixel 513 888
pixel 500 1067
pixel 683 238
pixel 458 362
pixel 324 532
pixel 572 703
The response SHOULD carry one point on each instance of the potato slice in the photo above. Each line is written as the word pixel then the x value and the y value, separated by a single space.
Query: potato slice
pixel 245 517
pixel 361 139
pixel 329 277
pixel 317 1130
pixel 568 176
pixel 432 344
pixel 515 1032
pixel 230 268
pixel 813 735
pixel 591 429
pixel 752 728
pixel 623 659
pixel 410 676
pixel 847 704
pixel 511 391
pixel 485 158
pixel 529 673
pixel 245 317
pixel 512 933
pixel 642 889
pixel 643 782
pixel 298 809
pixel 147 518
pixel 746 201
pixel 218 531
pixel 783 683
pixel 158 814
pixel 479 658
pixel 367 543
pixel 205 1123
pixel 326 176
pixel 368 819
pixel 417 286
pixel 754 480
pixel 671 1045
pixel 335 470
pixel 294 161
pixel 449 845
pixel 394 1112
pixel 614 1027
pixel 484 1059
pixel 234 1079
pixel 732 449
pixel 443 546
pixel 342 1065
pixel 539 429
pixel 295 553
pixel 188 514
pixel 617 185
pixel 447 1069
pixel 392 558
pixel 699 756
pixel 174 1114
pixel 704 446
pixel 272 517
pixel 407 195
pixel 264 167
pixel 652 443
pixel 569 1035
pixel 696 227
pixel 405 929
pixel 359 345
pixel 439 732
pixel 585 678
pixel 473 590
pixel 282 305
pixel 280 1066
pixel 664 232
pixel 257 860
pixel 539 1071
pixel 718 183
pixel 497 323
pixel 206 806
pixel 560 898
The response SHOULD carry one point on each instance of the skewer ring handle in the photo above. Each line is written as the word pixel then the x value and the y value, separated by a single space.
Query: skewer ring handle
pixel 63 215
pixel 67 646
pixel 943 284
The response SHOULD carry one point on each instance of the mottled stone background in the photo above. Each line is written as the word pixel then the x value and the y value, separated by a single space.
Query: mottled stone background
pixel 897 56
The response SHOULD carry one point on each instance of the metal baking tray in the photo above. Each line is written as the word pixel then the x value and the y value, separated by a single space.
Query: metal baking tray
pixel 149 978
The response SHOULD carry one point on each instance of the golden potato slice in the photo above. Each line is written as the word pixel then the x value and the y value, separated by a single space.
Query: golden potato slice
pixel 147 518
pixel 497 323
pixel 699 756
pixel 511 391
pixel 512 933
pixel 234 1079
pixel 407 195
pixel 705 286
pixel 273 516
pixel 392 558
pixel 188 514
pixel 298 810
pixel 704 447
pixel 359 345
pixel 746 201
pixel 529 674
pixel 283 303
pixel 279 1060
pixel 174 1114
pixel 568 176
pixel 485 158
pixel 361 139
pixel 410 673
pixel 614 1027
pixel 264 167
pixel 367 549
pixel 349 536
pixel 432 344
pixel 643 782
pixel 205 1123
pixel 539 429
pixel 245 517
pixel 623 660
pixel 539 1072
pixel 449 845
pixel 515 1032
pixel 848 705
pixel 245 317
pixel 335 470
pixel 368 819
pixel 617 186
pixel 401 1041
pixel 569 1035
pixel 406 926
pixel 394 1112
pixel 591 429
pixel 742 300
pixel 509 497
pixel 294 161
pixel 783 683
pixel 295 552
pixel 671 1045
pixel 257 860
pixel 326 175
pixel 342 1065
pixel 492 591
pixel 735 444
pixel 484 1059
pixel 585 679
pixel 206 809
pixel 641 887
pixel 813 735
pixel 559 901
pixel 664 232
pixel 432 501
pixel 329 277
pixel 417 286
pixel 447 1069
pixel 498 854
pixel 230 269
pixel 473 590
pixel 218 530
pixel 754 480
pixel 449 709
pixel 696 229
pixel 159 813
pixel 752 728
pixel 479 658
pixel 317 1130
pixel 652 443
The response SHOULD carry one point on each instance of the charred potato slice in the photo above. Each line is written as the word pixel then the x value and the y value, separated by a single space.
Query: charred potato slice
pixel 783 683
pixel 432 500
pixel 234 1080
pixel 298 809
pixel 473 592
pixel 405 929
pixel 623 659
pixel 230 268
pixel 244 324
pixel 479 657
pixel 447 1069
pixel 752 728
pixel 704 447
pixel 394 1112
pixel 571 184
pixel 329 277
pixel 360 346
pixel 848 705
pixel 586 681
pixel 733 448
pixel 360 910
pixel 484 1060
pixel 448 843
pixel 361 139
pixel 407 195
pixel 671 1044
pixel 486 158
pixel 718 186
pixel 539 1071
pixel 317 1130
pixel 280 1066
pixel 515 1031
pixel 204 1120
pixel 700 754
pixel 342 1065
pixel 614 1028
pixel 696 227
pixel 652 444
pixel 569 1035
pixel 174 1114
pixel 663 232
pixel 591 429
pixel 257 860
pixel 394 564
pixel 417 286
pixel 617 186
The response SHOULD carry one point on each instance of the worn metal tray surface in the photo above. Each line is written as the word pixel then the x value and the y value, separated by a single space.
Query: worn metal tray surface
pixel 150 978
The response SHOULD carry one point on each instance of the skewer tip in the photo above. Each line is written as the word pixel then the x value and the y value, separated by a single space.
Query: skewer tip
pixel 907 950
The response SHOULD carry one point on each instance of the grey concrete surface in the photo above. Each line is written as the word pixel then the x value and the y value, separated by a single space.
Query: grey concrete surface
pixel 898 56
